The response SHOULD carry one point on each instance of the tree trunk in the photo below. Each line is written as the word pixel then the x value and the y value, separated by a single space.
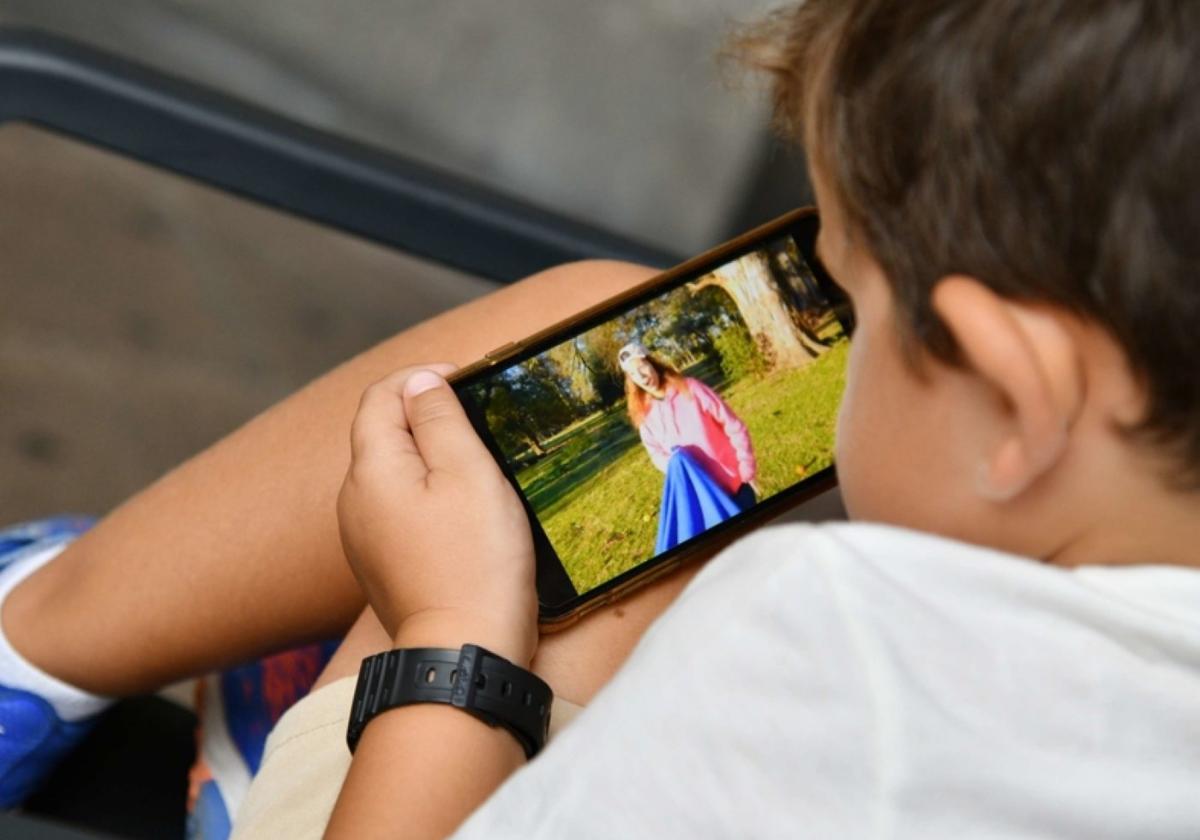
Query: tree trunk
pixel 749 282
pixel 531 440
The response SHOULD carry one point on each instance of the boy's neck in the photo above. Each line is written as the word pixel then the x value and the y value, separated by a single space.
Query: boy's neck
pixel 1123 513
pixel 1146 534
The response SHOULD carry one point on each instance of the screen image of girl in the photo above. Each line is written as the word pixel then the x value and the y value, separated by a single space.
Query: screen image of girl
pixel 695 439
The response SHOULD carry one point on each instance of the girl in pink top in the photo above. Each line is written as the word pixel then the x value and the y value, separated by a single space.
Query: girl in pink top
pixel 693 436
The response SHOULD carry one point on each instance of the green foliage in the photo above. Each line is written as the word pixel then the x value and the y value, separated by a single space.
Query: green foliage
pixel 684 324
pixel 740 355
pixel 577 379
pixel 526 407
pixel 596 358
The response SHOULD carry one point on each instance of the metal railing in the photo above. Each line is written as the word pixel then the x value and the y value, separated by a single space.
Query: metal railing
pixel 195 131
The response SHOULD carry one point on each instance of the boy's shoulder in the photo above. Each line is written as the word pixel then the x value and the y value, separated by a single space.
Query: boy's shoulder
pixel 837 676
pixel 862 646
pixel 888 577
pixel 797 553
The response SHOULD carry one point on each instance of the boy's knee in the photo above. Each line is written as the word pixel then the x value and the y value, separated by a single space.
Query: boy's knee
pixel 607 277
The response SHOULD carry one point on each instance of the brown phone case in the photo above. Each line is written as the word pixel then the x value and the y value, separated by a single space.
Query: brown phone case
pixel 653 569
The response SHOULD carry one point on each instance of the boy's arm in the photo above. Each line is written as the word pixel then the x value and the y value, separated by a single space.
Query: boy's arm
pixel 422 487
pixel 420 770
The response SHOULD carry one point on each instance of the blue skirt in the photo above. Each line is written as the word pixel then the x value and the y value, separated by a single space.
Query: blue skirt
pixel 692 502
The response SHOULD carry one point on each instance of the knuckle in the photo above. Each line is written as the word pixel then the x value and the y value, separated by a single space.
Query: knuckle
pixel 434 407
pixel 379 390
pixel 370 400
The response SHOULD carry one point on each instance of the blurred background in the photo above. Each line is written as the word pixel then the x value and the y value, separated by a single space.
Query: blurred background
pixel 142 316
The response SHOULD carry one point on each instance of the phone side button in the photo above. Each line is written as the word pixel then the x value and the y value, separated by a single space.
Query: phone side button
pixel 493 355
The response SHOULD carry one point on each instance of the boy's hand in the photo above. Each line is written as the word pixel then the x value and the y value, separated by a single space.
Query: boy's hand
pixel 435 534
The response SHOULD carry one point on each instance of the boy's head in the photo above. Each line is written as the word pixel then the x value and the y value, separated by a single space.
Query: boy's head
pixel 1011 192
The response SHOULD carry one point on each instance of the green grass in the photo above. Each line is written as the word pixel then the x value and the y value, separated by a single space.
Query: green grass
pixel 597 494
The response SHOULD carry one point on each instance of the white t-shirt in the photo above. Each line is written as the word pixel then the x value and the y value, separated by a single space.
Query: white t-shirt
pixel 863 681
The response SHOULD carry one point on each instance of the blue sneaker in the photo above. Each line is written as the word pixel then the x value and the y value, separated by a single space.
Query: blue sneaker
pixel 32 742
pixel 30 534
pixel 32 736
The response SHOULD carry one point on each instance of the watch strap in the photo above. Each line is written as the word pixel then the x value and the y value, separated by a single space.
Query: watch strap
pixel 474 679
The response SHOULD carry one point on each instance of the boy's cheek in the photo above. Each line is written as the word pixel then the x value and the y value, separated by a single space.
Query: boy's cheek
pixel 883 448
pixel 858 481
pixel 858 431
pixel 879 482
pixel 894 460
pixel 854 453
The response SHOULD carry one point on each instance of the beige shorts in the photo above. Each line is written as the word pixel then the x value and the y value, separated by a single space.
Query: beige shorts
pixel 304 762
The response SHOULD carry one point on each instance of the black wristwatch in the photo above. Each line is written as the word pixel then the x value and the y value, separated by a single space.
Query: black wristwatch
pixel 474 679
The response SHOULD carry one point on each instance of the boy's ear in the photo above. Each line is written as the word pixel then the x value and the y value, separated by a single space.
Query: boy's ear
pixel 1030 357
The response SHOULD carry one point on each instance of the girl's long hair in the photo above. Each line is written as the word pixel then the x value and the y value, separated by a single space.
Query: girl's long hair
pixel 638 399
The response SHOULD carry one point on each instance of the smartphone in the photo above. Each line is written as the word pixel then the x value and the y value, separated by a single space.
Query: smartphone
pixel 660 424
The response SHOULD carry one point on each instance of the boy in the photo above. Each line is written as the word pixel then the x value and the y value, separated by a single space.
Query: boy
pixel 1010 196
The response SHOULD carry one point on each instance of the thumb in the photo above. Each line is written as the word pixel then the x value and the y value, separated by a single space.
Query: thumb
pixel 444 436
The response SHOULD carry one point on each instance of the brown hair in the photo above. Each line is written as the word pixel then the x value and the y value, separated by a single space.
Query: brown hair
pixel 638 399
pixel 1050 149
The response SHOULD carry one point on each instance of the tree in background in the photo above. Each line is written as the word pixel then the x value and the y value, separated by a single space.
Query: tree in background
pixel 809 308
pixel 575 376
pixel 740 356
pixel 751 285
pixel 525 407
pixel 687 324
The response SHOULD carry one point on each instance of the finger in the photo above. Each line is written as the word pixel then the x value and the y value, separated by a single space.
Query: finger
pixel 444 369
pixel 380 429
pixel 439 425
pixel 381 410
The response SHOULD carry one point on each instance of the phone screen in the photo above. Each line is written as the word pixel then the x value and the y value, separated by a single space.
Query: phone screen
pixel 636 432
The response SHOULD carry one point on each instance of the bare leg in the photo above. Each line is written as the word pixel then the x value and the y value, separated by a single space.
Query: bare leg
pixel 236 552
